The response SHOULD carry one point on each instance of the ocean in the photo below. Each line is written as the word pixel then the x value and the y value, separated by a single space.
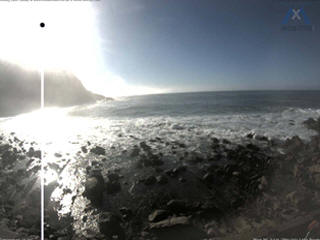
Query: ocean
pixel 167 125
pixel 190 119
pixel 185 117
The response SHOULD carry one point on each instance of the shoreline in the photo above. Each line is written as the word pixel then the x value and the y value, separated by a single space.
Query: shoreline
pixel 217 196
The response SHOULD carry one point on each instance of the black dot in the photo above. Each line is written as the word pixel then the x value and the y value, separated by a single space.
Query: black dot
pixel 42 24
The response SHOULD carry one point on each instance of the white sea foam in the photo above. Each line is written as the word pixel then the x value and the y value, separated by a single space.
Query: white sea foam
pixel 281 125
pixel 65 133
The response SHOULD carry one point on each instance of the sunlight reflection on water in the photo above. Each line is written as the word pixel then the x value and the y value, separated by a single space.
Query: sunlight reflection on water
pixel 50 125
pixel 55 131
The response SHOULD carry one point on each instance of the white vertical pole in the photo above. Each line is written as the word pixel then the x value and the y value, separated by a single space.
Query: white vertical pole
pixel 42 44
pixel 42 154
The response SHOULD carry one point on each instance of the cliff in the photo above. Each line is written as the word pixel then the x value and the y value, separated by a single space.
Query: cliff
pixel 20 90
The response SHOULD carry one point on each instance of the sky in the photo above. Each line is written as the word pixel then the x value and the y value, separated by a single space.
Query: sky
pixel 196 45
pixel 133 47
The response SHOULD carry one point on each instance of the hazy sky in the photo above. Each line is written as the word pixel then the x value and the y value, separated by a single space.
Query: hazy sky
pixel 127 47
pixel 209 44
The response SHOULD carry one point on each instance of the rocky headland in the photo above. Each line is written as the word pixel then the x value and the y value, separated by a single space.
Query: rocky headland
pixel 20 90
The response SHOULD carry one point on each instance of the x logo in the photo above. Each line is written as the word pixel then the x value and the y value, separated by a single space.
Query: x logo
pixel 296 14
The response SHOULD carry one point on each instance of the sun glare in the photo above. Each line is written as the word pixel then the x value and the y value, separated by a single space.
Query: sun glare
pixel 69 40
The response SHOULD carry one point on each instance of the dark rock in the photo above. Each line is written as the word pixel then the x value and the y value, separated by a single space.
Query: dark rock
pixel 294 142
pixel 210 208
pixel 84 149
pixel 88 169
pixel 157 162
pixel 54 166
pixel 225 141
pixel 158 170
pixel 275 142
pixel 112 187
pixel 176 171
pixel 135 151
pixel 177 206
pixel 29 217
pixel 215 140
pixel 31 151
pixel 170 222
pixel 67 191
pixel 313 124
pixel 98 150
pixel 110 226
pixel 196 159
pixel 145 235
pixel 95 164
pixel 179 170
pixel 150 180
pixel 162 179
pixel 158 215
pixel 261 138
pixel 63 238
pixel 209 178
pixel 301 200
pixel 36 169
pixel 125 212
pixel 169 172
pixel 94 190
pixel 176 228
pixel 183 180
pixel 151 161
pixel 310 121
pixel 182 145
pixel 316 180
pixel 4 147
pixel 37 154
pixel 145 147
pixel 8 158
pixel 58 155
pixel 252 147
pixel 113 176
pixel 250 135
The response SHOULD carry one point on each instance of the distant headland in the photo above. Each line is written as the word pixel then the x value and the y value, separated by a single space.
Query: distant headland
pixel 20 90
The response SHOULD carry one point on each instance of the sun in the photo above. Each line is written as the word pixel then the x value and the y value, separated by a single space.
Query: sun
pixel 69 39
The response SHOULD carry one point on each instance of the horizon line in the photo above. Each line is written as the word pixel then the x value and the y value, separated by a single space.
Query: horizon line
pixel 208 91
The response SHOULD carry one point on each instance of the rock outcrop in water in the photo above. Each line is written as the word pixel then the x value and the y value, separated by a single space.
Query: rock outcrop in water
pixel 20 90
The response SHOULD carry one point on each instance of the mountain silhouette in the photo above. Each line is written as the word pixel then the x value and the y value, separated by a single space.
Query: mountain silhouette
pixel 20 90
